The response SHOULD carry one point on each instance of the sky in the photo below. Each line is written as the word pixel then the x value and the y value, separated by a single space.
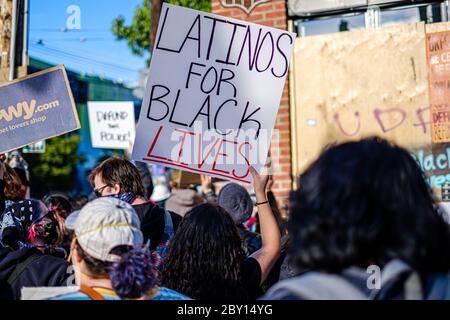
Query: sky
pixel 100 54
pixel 92 49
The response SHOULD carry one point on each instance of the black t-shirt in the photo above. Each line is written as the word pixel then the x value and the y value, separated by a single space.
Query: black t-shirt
pixel 251 240
pixel 250 275
pixel 152 222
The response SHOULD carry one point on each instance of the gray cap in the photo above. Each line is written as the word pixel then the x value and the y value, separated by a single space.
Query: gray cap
pixel 104 224
pixel 236 200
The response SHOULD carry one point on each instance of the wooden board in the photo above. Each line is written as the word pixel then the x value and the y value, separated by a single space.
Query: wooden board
pixel 351 85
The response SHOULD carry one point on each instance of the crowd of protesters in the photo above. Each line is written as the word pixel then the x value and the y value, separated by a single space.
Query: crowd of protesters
pixel 360 206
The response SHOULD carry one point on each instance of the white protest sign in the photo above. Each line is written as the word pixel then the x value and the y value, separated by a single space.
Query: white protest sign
pixel 213 93
pixel 112 124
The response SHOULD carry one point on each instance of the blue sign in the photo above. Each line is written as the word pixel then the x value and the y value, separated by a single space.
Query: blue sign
pixel 37 107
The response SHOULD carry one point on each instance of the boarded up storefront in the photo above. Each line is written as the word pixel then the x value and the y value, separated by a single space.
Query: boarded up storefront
pixel 352 85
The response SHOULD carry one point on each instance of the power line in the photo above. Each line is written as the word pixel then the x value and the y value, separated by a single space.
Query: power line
pixel 95 69
pixel 81 39
pixel 104 72
pixel 77 49
pixel 81 58
pixel 64 29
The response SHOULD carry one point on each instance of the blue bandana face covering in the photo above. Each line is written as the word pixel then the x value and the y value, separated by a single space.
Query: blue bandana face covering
pixel 127 197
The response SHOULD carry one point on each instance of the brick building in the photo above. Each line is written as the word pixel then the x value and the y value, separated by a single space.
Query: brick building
pixel 271 13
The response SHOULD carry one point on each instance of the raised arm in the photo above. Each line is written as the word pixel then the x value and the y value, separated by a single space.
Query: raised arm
pixel 270 234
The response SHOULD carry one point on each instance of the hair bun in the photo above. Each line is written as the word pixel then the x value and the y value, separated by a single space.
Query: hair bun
pixel 134 275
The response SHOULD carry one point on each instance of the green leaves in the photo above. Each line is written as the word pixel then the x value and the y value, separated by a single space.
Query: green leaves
pixel 56 167
pixel 137 34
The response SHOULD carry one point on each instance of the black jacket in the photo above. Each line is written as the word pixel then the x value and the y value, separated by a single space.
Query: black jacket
pixel 2 196
pixel 44 271
pixel 152 222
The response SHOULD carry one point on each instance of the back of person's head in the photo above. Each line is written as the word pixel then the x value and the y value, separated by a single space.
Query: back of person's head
pixel 110 242
pixel 237 201
pixel 205 255
pixel 364 203
pixel 29 223
pixel 13 184
pixel 58 203
pixel 175 179
pixel 116 170
pixel 79 202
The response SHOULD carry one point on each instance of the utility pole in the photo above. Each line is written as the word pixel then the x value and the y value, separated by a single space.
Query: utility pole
pixel 155 9
pixel 5 37
pixel 13 39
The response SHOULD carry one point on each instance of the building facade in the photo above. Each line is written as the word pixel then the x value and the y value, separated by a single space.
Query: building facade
pixel 271 13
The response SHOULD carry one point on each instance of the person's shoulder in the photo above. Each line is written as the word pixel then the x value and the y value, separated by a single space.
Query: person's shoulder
pixel 249 262
pixel 49 260
pixel 71 296
pixel 176 218
pixel 147 210
pixel 283 290
pixel 148 207
pixel 169 294
pixel 250 267
pixel 78 295
pixel 50 270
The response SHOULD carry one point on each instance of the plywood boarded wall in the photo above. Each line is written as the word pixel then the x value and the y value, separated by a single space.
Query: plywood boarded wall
pixel 351 85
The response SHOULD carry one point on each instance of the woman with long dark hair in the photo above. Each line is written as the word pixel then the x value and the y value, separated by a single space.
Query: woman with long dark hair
pixel 360 207
pixel 206 258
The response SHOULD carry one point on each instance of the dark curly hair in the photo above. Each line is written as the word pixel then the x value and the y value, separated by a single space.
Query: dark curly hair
pixel 205 255
pixel 364 203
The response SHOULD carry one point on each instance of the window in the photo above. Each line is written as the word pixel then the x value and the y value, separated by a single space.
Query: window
pixel 330 25
pixel 429 13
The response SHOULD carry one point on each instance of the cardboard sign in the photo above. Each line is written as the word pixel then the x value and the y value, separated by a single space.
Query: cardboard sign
pixel 213 93
pixel 37 147
pixel 112 124
pixel 36 108
pixel 438 58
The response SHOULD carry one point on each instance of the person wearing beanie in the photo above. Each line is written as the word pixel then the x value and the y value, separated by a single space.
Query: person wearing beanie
pixel 109 256
pixel 236 200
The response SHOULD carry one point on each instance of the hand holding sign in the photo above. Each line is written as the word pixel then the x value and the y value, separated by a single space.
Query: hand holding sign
pixel 213 93
pixel 260 184
pixel 206 182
